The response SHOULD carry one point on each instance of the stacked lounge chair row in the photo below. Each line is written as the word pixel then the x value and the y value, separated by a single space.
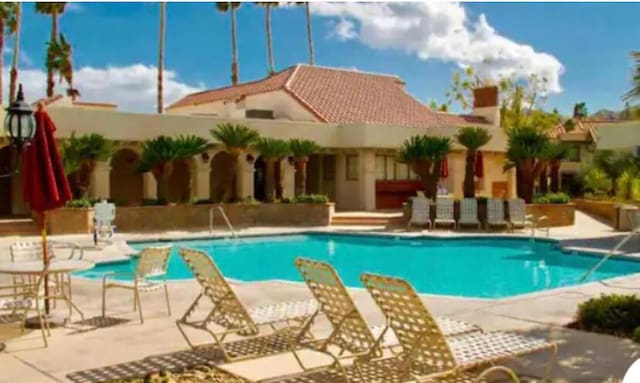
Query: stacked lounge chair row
pixel 413 345
pixel 518 218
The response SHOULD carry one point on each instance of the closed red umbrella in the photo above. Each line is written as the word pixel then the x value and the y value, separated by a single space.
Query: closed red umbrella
pixel 444 168
pixel 44 183
pixel 479 165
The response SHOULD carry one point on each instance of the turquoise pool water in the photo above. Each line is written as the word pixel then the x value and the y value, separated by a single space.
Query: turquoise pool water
pixel 469 267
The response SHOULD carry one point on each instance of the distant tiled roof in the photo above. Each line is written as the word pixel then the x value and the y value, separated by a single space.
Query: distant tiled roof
pixel 340 96
pixel 584 130
pixel 100 104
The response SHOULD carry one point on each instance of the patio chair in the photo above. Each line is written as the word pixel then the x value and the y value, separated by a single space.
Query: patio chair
pixel 227 311
pixel 469 213
pixel 150 275
pixel 425 349
pixel 350 332
pixel 495 213
pixel 104 215
pixel 420 212
pixel 444 212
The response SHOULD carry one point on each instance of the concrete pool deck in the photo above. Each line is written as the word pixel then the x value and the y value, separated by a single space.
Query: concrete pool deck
pixel 95 343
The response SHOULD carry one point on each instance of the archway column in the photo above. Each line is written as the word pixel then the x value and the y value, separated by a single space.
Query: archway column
pixel 288 174
pixel 200 179
pixel 244 176
pixel 367 179
pixel 149 186
pixel 100 186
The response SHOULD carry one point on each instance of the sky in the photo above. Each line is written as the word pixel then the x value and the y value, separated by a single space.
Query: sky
pixel 582 49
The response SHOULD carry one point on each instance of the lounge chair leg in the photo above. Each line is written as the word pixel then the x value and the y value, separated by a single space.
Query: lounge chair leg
pixel 507 371
pixel 137 299
pixel 552 361
pixel 166 297
pixel 104 297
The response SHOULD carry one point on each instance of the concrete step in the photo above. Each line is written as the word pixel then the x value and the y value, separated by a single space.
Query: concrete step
pixel 18 226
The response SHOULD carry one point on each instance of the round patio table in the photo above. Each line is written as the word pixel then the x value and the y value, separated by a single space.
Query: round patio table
pixel 64 267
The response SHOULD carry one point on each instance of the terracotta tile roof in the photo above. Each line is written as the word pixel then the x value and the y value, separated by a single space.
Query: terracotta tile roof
pixel 101 104
pixel 341 96
pixel 584 130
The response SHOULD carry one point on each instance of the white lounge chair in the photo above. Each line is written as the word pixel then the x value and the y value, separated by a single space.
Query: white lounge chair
pixel 469 213
pixel 444 212
pixel 420 212
pixel 104 215
pixel 518 217
pixel 495 213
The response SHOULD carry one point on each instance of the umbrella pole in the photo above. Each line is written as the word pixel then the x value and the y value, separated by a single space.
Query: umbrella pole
pixel 45 258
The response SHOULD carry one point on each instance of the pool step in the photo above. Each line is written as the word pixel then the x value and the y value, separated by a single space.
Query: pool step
pixel 366 221
pixel 18 227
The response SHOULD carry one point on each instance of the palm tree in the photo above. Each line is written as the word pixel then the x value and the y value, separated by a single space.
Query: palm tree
pixel 60 54
pixel 236 139
pixel 231 8
pixel 307 11
pixel 527 148
pixel 16 54
pixel 163 15
pixel 301 150
pixel 186 147
pixel 634 93
pixel 424 154
pixel 54 10
pixel 614 164
pixel 267 20
pixel 80 155
pixel 8 25
pixel 472 138
pixel 272 150
pixel 555 153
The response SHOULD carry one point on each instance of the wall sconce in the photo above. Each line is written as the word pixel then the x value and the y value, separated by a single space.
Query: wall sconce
pixel 205 157
pixel 291 160
pixel 250 159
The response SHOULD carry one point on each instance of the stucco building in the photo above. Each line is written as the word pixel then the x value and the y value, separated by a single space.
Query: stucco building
pixel 359 119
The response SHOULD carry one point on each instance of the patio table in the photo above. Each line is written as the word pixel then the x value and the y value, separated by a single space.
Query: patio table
pixel 57 267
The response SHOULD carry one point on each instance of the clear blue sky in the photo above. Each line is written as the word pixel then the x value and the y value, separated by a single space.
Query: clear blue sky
pixel 590 42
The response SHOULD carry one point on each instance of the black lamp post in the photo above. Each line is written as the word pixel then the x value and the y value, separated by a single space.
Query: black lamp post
pixel 20 127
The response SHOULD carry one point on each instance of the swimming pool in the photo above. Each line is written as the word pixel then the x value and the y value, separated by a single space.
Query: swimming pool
pixel 486 267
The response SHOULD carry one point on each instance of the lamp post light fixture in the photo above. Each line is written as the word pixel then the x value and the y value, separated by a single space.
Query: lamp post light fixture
pixel 20 127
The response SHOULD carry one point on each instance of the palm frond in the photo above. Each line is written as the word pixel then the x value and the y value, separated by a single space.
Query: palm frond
pixel 272 148
pixel 472 137
pixel 235 135
pixel 303 148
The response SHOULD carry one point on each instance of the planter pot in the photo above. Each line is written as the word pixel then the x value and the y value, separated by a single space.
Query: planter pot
pixel 70 220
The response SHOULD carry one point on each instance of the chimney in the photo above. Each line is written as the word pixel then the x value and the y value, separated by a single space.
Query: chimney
pixel 486 103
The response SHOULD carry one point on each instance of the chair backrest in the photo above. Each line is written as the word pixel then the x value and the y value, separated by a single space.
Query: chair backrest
pixel 469 210
pixel 420 210
pixel 422 341
pixel 495 210
pixel 444 208
pixel 230 312
pixel 350 331
pixel 104 212
pixel 29 251
pixel 153 262
pixel 517 210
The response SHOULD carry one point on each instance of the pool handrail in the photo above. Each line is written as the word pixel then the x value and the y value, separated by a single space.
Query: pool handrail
pixel 226 220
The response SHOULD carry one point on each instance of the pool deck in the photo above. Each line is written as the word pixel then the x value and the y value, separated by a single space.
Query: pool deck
pixel 96 343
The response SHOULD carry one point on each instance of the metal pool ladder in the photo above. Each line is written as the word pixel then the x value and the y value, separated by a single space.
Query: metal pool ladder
pixel 226 220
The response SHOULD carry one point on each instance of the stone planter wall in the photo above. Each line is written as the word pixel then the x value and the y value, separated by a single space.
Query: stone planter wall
pixel 194 217
pixel 605 210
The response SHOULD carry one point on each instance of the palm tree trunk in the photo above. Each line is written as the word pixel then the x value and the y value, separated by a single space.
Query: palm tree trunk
pixel 431 187
pixel 309 34
pixel 234 48
pixel 162 173
pixel 16 54
pixel 163 10
pixel 555 176
pixel 269 180
pixel 272 69
pixel 54 36
pixel 1 57
pixel 301 176
pixel 469 181
pixel 230 189
pixel 543 182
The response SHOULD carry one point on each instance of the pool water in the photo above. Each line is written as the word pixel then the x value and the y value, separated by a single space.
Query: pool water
pixel 468 267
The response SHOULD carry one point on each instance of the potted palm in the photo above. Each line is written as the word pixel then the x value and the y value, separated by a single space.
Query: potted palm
pixel 236 138
pixel 472 138
pixel 424 154
pixel 301 150
pixel 80 155
pixel 272 150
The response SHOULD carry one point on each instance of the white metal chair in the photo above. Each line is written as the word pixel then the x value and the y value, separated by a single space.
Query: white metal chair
pixel 420 212
pixel 469 213
pixel 104 215
pixel 495 213
pixel 444 212
pixel 150 275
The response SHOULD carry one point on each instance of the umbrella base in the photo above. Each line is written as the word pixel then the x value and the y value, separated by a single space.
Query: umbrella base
pixel 54 321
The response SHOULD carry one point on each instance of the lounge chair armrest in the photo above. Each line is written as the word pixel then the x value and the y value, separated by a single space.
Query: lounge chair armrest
pixel 112 274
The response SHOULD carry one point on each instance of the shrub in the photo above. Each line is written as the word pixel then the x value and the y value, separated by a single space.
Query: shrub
pixel 285 200
pixel 311 198
pixel 597 182
pixel 83 202
pixel 249 201
pixel 551 198
pixel 636 335
pixel 152 202
pixel 610 314
pixel 202 201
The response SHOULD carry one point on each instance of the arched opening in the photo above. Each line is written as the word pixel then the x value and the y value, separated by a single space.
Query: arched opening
pixel 220 176
pixel 6 160
pixel 125 182
pixel 180 181
pixel 260 167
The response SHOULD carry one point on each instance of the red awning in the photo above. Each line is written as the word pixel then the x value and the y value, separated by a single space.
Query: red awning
pixel 479 165
pixel 444 170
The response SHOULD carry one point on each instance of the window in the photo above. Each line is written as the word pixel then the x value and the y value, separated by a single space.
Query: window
pixel 259 113
pixel 573 153
pixel 352 168
pixel 402 171
pixel 381 168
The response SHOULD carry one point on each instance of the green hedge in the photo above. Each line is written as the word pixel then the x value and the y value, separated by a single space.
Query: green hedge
pixel 552 198
pixel 613 314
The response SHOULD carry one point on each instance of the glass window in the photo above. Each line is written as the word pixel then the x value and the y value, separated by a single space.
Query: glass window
pixel 391 171
pixel 381 168
pixel 402 171
pixel 352 168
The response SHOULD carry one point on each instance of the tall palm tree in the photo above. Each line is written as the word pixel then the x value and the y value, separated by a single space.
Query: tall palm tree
pixel 527 150
pixel 472 138
pixel 267 20
pixel 301 150
pixel 556 152
pixel 236 139
pixel 231 8
pixel 54 10
pixel 7 27
pixel 60 54
pixel 163 15
pixel 307 11
pixel 634 93
pixel 13 81
pixel 272 151
pixel 80 155
pixel 424 154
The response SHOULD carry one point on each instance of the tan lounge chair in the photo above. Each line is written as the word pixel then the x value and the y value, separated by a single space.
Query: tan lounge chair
pixel 426 352
pixel 229 313
pixel 444 212
pixel 469 213
pixel 495 213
